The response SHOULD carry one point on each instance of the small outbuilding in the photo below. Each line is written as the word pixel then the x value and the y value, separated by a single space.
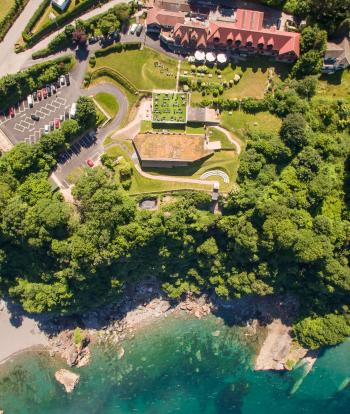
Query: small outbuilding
pixel 61 5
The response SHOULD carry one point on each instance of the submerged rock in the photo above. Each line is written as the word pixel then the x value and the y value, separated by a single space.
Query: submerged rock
pixel 67 378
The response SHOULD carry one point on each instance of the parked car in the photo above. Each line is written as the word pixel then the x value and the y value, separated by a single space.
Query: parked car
pixel 30 101
pixel 66 115
pixel 35 96
pixel 61 118
pixel 35 117
pixel 44 92
pixel 53 88
pixel 62 80
pixel 139 29
pixel 73 110
pixel 90 163
pixel 52 126
pixel 57 123
pixel 67 79
pixel 46 129
pixel 39 95
pixel 11 111
pixel 48 89
pixel 58 84
pixel 93 40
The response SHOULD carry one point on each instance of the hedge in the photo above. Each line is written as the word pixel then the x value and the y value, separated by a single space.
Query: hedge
pixel 115 75
pixel 60 42
pixel 16 87
pixel 58 22
pixel 34 19
pixel 117 47
pixel 9 19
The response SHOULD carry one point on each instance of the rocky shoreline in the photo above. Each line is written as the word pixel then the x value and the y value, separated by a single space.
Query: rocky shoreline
pixel 147 303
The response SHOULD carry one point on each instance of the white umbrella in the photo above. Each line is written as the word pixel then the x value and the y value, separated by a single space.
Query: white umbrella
pixel 222 58
pixel 200 56
pixel 210 57
pixel 191 59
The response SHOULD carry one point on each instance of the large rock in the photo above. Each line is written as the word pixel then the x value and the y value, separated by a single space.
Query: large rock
pixel 67 378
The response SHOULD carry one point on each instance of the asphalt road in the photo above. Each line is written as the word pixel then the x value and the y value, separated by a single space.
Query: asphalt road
pixel 90 146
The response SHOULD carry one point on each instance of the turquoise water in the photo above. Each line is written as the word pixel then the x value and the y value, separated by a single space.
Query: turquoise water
pixel 178 366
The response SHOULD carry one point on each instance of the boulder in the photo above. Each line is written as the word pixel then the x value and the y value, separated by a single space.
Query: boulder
pixel 67 378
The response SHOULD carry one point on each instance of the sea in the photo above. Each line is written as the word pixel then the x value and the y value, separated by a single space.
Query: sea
pixel 178 365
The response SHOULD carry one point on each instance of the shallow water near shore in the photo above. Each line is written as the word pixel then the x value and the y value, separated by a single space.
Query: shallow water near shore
pixel 178 365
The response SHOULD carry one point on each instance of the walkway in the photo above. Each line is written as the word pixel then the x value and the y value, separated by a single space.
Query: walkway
pixel 231 138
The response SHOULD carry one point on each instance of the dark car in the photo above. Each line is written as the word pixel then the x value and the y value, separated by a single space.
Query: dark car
pixel 52 126
pixel 35 96
pixel 58 84
pixel 35 117
pixel 48 89
pixel 67 79
pixel 53 88
pixel 139 29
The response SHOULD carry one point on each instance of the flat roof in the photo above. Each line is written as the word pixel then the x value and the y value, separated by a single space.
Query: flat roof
pixel 171 147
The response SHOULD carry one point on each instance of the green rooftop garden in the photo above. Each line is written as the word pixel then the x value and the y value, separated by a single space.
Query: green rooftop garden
pixel 169 108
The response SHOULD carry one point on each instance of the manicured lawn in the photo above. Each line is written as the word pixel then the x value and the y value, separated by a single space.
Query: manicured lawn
pixel 140 184
pixel 146 69
pixel 334 86
pixel 169 107
pixel 239 122
pixel 101 118
pixel 108 102
pixel 5 7
pixel 195 128
pixel 217 135
pixel 253 81
pixel 132 99
pixel 221 160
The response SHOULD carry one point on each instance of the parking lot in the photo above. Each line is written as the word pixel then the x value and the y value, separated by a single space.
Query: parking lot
pixel 22 128
pixel 77 156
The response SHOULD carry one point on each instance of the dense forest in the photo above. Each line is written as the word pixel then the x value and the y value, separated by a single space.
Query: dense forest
pixel 287 229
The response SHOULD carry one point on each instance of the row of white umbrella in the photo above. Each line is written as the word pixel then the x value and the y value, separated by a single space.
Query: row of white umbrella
pixel 210 57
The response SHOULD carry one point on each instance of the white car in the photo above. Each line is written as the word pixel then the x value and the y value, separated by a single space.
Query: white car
pixel 61 118
pixel 30 101
pixel 62 80
pixel 46 129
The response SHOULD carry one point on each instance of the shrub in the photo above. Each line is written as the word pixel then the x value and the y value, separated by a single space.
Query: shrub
pixel 328 330
pixel 78 336
pixel 92 60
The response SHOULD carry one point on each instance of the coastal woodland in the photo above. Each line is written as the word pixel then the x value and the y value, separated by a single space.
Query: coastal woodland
pixel 287 229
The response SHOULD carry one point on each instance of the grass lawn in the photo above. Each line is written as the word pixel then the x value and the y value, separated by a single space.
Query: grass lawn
pixel 334 86
pixel 252 83
pixel 132 99
pixel 45 19
pixel 221 160
pixel 239 122
pixel 75 174
pixel 169 107
pixel 142 185
pixel 101 117
pixel 5 7
pixel 108 102
pixel 217 135
pixel 146 69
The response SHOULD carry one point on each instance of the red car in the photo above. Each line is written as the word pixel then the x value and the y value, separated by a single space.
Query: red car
pixel 39 95
pixel 57 123
pixel 90 163
pixel 12 111
pixel 44 92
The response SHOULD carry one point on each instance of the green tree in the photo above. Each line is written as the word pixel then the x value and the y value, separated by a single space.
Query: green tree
pixel 293 131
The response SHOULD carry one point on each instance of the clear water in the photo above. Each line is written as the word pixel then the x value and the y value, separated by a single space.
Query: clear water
pixel 178 366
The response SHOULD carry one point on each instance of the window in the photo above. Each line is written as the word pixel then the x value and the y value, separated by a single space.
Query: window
pixel 238 43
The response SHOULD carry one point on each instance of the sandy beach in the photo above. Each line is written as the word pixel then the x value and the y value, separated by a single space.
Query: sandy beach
pixel 17 334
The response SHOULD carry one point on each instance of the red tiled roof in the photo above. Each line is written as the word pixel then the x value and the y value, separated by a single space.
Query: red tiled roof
pixel 164 17
pixel 284 42
pixel 249 19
